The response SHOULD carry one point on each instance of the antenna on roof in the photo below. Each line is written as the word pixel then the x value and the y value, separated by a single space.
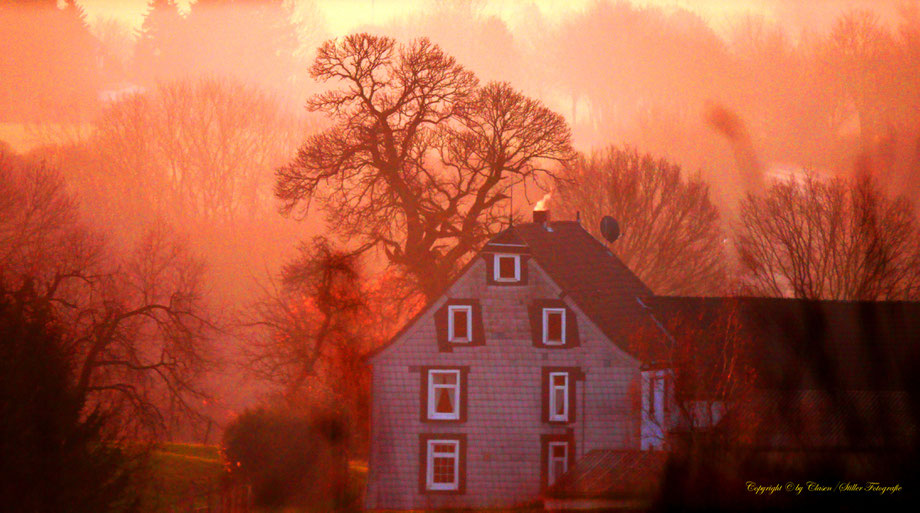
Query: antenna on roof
pixel 511 205
pixel 610 229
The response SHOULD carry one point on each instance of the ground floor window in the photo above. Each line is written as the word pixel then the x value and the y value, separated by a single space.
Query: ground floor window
pixel 442 465
pixel 558 460
pixel 557 454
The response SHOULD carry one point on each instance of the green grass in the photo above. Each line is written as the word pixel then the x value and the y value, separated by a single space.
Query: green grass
pixel 209 452
pixel 180 475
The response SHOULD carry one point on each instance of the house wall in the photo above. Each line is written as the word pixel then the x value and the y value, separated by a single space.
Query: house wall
pixel 504 418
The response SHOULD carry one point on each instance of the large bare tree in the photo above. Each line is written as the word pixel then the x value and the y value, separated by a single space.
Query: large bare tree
pixel 670 228
pixel 420 157
pixel 829 239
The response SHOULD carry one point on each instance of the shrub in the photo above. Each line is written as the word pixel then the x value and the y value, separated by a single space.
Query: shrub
pixel 290 458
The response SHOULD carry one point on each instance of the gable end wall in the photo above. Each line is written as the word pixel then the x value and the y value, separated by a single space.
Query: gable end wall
pixel 503 428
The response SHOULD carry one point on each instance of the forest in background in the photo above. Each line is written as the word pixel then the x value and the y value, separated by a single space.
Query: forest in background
pixel 181 123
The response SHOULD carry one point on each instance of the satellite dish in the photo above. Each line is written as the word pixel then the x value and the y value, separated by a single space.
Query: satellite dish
pixel 610 229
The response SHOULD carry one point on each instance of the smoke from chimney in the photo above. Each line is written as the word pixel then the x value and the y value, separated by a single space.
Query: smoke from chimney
pixel 541 210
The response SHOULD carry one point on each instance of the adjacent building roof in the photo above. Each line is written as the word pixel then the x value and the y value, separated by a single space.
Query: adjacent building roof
pixel 614 475
pixel 826 345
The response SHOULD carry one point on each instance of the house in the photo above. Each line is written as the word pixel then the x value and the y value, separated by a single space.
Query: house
pixel 494 389
pixel 523 380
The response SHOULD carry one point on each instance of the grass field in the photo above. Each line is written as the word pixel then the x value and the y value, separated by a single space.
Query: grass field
pixel 182 475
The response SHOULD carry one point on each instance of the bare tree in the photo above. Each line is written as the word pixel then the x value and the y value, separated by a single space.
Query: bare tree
pixel 707 373
pixel 829 239
pixel 193 150
pixel 420 157
pixel 134 322
pixel 311 331
pixel 670 229
pixel 309 318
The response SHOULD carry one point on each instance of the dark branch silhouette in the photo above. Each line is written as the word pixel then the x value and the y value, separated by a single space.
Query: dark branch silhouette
pixel 420 156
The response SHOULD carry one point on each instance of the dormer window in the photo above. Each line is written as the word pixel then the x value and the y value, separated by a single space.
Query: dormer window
pixel 507 268
pixel 459 323
pixel 554 326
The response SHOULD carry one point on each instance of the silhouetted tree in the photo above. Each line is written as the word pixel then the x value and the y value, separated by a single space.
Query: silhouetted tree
pixel 710 374
pixel 254 42
pixel 670 229
pixel 191 151
pixel 135 322
pixel 420 157
pixel 161 42
pixel 829 239
pixel 313 330
pixel 54 454
pixel 290 457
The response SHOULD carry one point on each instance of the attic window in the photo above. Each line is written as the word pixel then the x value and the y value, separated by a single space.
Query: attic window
pixel 459 323
pixel 554 326
pixel 507 268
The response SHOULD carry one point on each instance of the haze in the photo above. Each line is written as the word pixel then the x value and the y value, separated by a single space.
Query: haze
pixel 734 90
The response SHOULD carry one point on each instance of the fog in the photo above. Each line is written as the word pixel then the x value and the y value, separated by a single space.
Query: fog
pixel 179 114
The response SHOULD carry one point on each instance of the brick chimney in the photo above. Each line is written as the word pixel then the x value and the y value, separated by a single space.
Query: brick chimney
pixel 541 216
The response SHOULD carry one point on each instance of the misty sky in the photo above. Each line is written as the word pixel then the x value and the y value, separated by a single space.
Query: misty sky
pixel 342 16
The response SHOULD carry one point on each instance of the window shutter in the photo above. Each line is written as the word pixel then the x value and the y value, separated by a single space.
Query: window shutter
pixel 479 332
pixel 441 325
pixel 489 259
pixel 535 312
pixel 440 328
pixel 571 328
pixel 463 391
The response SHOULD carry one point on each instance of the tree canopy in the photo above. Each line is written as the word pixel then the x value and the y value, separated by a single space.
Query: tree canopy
pixel 420 156
pixel 671 236
pixel 829 239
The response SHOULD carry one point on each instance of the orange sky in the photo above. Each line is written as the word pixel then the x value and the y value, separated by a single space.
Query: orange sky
pixel 344 15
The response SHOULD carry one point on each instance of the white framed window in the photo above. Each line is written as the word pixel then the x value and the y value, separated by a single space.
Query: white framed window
pixel 558 463
pixel 559 396
pixel 554 326
pixel 443 465
pixel 459 323
pixel 507 268
pixel 444 394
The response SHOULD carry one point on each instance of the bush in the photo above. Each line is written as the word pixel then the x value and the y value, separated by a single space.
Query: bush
pixel 290 458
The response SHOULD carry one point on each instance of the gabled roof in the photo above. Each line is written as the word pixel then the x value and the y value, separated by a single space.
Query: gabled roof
pixel 590 274
pixel 612 474
pixel 596 280
pixel 806 344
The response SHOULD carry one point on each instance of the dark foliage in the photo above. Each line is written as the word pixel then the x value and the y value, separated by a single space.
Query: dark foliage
pixel 52 457
pixel 290 458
